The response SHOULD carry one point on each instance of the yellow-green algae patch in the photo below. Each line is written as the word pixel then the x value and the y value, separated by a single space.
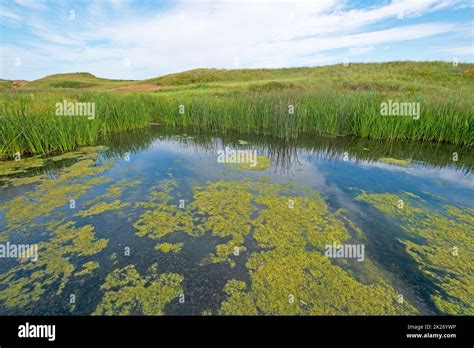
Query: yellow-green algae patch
pixel 301 282
pixel 225 209
pixel 160 217
pixel 87 268
pixel 113 191
pixel 395 161
pixel 262 163
pixel 21 166
pixel 25 164
pixel 128 293
pixel 27 282
pixel 52 193
pixel 445 255
pixel 288 273
pixel 169 247
pixel 102 207
pixel 292 276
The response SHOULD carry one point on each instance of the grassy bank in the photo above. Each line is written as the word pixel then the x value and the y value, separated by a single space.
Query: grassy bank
pixel 283 103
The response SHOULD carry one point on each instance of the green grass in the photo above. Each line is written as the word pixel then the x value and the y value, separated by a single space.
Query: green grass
pixel 333 100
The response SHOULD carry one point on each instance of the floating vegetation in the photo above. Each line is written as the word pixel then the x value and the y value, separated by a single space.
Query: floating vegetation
pixel 26 164
pixel 103 207
pixel 87 268
pixel 301 282
pixel 21 166
pixel 262 163
pixel 114 191
pixel 288 273
pixel 163 218
pixel 445 256
pixel 289 279
pixel 27 282
pixel 395 161
pixel 129 293
pixel 54 192
pixel 225 209
pixel 169 247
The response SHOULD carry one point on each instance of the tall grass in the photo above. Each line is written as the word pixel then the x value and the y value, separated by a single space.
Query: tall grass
pixel 349 105
pixel 333 113
pixel 29 124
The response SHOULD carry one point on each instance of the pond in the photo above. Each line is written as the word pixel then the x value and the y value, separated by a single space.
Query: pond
pixel 152 223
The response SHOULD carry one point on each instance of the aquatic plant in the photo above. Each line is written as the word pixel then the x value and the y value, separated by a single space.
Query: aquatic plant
pixel 26 283
pixel 395 161
pixel 444 254
pixel 331 100
pixel 102 207
pixel 262 163
pixel 169 247
pixel 129 293
pixel 288 272
pixel 54 192
pixel 161 218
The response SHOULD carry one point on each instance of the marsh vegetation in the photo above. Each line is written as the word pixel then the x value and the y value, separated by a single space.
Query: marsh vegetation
pixel 282 103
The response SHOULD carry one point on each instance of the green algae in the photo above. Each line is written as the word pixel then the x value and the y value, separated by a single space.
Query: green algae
pixel 26 180
pixel 21 166
pixel 169 247
pixel 102 207
pixel 439 198
pixel 87 268
pixel 25 164
pixel 128 293
pixel 28 281
pixel 240 301
pixel 224 209
pixel 395 161
pixel 262 163
pixel 52 193
pixel 114 191
pixel 289 262
pixel 444 255
pixel 160 217
pixel 301 282
pixel 287 278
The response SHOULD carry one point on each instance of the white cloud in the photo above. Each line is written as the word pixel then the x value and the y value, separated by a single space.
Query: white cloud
pixel 32 4
pixel 214 34
pixel 459 51
pixel 6 13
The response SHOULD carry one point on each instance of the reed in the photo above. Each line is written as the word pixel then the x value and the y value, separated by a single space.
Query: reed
pixel 283 103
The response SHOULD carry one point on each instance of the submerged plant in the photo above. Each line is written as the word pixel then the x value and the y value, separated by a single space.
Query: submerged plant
pixel 444 252
pixel 53 192
pixel 129 293
pixel 26 283
pixel 289 273
pixel 169 247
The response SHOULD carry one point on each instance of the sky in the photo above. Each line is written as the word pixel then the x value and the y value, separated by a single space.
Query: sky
pixel 139 39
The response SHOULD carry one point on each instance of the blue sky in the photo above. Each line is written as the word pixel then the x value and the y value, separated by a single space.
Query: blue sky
pixel 138 39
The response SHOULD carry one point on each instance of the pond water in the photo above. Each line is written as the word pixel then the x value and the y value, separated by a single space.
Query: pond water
pixel 151 223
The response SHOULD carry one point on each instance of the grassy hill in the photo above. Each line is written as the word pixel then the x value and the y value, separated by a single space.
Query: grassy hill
pixel 80 80
pixel 335 100
pixel 384 77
